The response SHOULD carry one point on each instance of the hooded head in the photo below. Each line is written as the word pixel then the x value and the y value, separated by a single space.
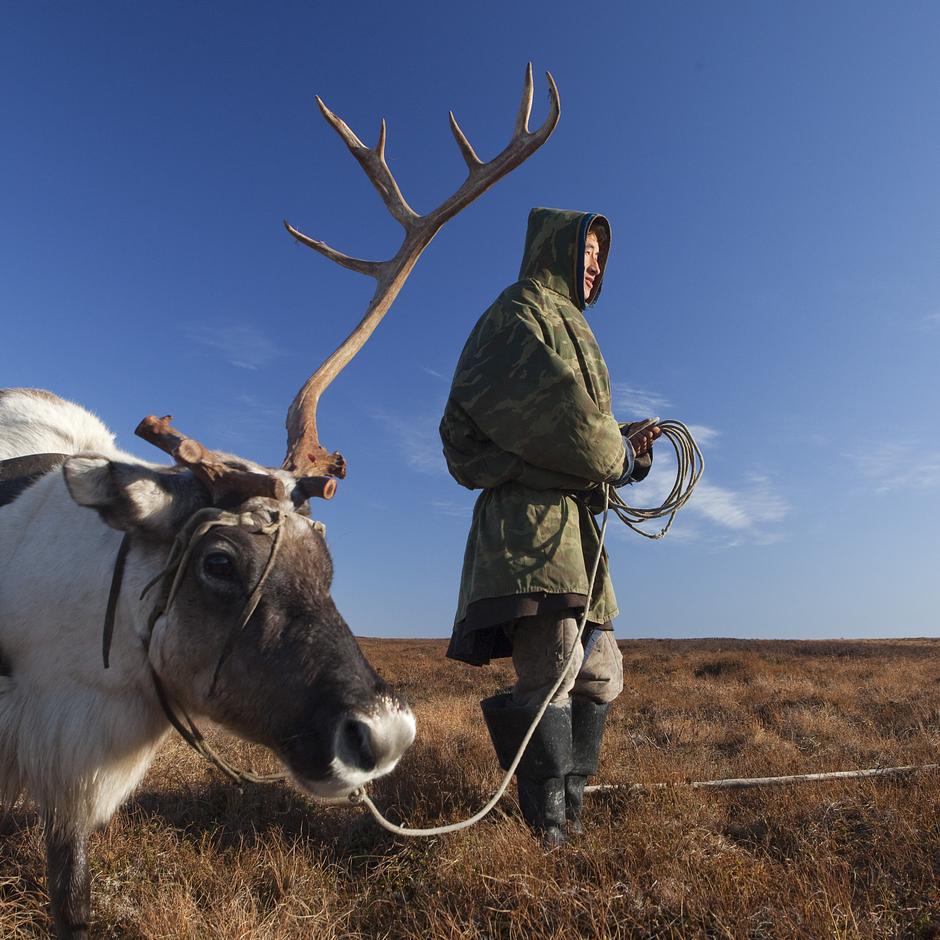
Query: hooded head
pixel 554 252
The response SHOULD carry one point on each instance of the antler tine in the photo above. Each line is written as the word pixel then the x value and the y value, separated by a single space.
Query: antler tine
pixel 223 478
pixel 523 139
pixel 380 146
pixel 304 453
pixel 554 110
pixel 340 126
pixel 469 154
pixel 371 268
pixel 160 433
pixel 374 165
pixel 525 106
pixel 521 146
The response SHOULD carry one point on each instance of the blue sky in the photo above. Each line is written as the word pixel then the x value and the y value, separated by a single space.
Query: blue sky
pixel 770 174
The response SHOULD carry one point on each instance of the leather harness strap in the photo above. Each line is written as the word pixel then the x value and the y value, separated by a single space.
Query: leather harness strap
pixel 18 473
pixel 113 596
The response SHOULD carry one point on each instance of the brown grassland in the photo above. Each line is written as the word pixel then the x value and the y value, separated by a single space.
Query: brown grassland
pixel 192 857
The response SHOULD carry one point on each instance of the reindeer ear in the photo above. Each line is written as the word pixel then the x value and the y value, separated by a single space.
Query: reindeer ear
pixel 131 496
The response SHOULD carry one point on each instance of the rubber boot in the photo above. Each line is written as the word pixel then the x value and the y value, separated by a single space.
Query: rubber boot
pixel 587 731
pixel 540 776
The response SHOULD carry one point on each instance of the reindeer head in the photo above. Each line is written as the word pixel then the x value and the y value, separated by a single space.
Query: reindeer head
pixel 230 597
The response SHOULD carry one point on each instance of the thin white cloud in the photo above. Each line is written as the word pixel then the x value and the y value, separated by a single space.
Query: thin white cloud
pixel 436 375
pixel 448 507
pixel 417 438
pixel 746 514
pixel 931 321
pixel 631 403
pixel 637 403
pixel 245 420
pixel 239 345
pixel 704 436
pixel 744 510
pixel 899 466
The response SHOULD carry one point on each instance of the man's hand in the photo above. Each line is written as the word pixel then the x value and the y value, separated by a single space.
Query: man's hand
pixel 641 435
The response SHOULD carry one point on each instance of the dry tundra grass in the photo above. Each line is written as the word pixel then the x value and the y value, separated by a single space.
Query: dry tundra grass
pixel 191 857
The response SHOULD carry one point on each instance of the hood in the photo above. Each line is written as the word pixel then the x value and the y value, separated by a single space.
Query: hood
pixel 554 252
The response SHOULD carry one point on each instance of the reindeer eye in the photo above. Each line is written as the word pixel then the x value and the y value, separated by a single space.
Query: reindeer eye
pixel 219 565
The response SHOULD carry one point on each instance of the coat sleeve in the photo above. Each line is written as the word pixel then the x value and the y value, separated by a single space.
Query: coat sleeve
pixel 528 400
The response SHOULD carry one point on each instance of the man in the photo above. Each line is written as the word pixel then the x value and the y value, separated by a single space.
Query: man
pixel 528 420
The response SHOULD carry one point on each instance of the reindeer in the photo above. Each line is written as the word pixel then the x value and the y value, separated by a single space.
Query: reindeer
pixel 196 589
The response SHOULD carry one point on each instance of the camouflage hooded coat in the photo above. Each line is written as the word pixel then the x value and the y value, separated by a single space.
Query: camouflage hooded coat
pixel 529 421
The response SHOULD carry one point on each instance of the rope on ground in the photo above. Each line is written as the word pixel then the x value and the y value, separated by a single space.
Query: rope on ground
pixel 746 783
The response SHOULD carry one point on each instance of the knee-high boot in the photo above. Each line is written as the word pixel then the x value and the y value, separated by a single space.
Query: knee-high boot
pixel 587 732
pixel 540 776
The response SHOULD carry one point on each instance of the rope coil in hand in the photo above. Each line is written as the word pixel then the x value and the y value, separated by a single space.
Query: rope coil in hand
pixel 689 467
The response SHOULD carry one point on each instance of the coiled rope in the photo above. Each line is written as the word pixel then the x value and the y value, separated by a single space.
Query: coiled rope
pixel 689 467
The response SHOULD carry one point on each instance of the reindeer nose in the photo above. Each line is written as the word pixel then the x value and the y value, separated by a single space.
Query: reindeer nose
pixel 369 745
pixel 354 744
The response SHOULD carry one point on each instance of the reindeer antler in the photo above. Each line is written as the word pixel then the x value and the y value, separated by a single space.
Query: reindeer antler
pixel 226 479
pixel 305 455
pixel 311 465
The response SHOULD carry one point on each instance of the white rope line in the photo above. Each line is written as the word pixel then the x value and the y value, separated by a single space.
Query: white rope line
pixel 745 783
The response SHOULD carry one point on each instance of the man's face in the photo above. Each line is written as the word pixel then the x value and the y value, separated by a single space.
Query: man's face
pixel 592 263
